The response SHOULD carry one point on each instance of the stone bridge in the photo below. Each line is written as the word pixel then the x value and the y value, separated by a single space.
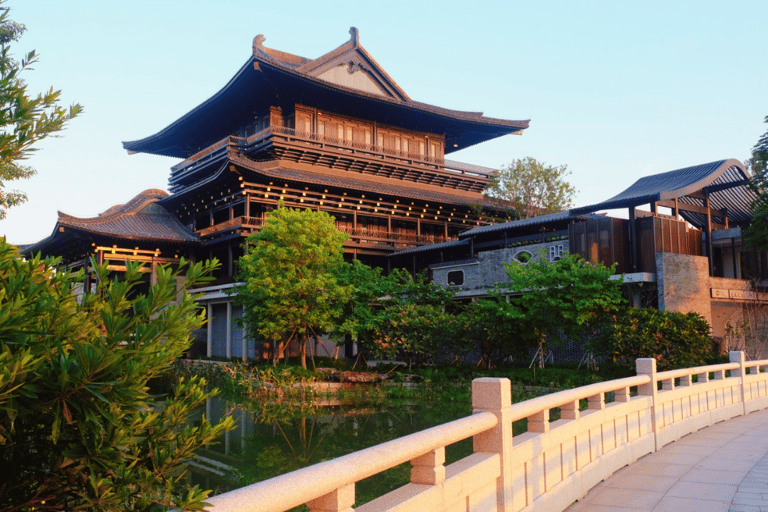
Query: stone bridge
pixel 557 462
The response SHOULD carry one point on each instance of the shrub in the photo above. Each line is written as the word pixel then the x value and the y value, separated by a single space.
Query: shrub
pixel 675 340
pixel 78 427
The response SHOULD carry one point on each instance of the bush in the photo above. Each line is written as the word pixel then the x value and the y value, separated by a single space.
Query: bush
pixel 78 427
pixel 675 340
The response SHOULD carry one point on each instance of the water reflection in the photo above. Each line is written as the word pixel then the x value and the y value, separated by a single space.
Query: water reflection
pixel 277 438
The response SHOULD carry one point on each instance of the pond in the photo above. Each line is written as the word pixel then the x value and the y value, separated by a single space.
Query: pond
pixel 270 441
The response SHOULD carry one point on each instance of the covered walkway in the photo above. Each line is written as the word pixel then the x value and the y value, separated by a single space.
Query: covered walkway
pixel 722 468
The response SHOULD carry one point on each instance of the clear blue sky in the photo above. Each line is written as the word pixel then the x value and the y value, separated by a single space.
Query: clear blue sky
pixel 614 90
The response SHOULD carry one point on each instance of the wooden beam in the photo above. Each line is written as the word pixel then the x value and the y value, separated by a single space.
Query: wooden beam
pixel 692 208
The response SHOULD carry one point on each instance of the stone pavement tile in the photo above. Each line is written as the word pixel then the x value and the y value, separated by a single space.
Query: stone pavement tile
pixel 729 453
pixel 713 476
pixel 730 465
pixel 675 504
pixel 703 491
pixel 627 498
pixel 709 441
pixel 688 459
pixel 738 500
pixel 642 482
pixel 683 449
pixel 647 467
pixel 601 508
pixel 745 508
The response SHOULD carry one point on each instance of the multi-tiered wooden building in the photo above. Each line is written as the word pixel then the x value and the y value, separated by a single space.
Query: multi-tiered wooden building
pixel 335 134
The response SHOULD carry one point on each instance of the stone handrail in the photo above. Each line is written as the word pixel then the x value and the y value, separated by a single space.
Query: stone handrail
pixel 544 469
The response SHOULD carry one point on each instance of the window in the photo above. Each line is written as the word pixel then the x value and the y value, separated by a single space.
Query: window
pixel 523 257
pixel 555 252
pixel 456 278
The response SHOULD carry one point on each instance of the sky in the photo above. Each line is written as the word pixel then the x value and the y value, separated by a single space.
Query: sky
pixel 614 90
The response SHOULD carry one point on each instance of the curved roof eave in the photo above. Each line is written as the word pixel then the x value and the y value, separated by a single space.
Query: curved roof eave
pixel 469 127
pixel 670 185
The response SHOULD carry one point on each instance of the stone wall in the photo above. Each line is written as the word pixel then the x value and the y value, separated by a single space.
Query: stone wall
pixel 683 284
pixel 488 269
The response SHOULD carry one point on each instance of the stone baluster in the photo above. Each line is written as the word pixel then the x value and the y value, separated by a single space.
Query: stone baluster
pixel 429 469
pixel 340 500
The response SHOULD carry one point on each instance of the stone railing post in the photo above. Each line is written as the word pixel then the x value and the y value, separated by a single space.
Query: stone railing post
pixel 495 396
pixel 741 372
pixel 647 366
pixel 340 500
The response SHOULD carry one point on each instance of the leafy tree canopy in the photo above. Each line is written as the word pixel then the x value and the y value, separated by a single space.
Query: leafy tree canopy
pixel 412 320
pixel 79 429
pixel 24 119
pixel 563 295
pixel 531 188
pixel 292 289
pixel 757 233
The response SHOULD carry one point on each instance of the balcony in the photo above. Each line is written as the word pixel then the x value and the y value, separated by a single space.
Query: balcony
pixel 370 237
pixel 310 148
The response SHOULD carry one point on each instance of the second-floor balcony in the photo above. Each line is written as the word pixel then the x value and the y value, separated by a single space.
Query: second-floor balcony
pixel 277 142
pixel 360 235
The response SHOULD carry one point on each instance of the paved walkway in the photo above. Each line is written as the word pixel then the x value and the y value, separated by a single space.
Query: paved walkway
pixel 722 468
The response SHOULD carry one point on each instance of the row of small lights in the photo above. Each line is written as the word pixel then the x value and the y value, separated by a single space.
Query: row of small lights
pixel 322 199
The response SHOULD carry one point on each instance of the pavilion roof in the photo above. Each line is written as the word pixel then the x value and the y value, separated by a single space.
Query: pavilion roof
pixel 273 78
pixel 140 219
pixel 724 181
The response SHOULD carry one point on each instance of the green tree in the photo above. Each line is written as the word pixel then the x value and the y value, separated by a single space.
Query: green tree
pixel 675 340
pixel 757 233
pixel 79 429
pixel 496 329
pixel 291 288
pixel 24 119
pixel 529 188
pixel 562 296
pixel 414 319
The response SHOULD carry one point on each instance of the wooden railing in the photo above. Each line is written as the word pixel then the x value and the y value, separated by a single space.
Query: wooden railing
pixel 410 158
pixel 543 469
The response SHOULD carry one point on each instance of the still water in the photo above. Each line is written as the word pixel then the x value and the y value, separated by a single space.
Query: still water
pixel 279 438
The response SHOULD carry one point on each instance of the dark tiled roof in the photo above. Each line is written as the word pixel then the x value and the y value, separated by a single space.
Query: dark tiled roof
pixel 724 180
pixel 256 89
pixel 432 247
pixel 140 219
pixel 559 217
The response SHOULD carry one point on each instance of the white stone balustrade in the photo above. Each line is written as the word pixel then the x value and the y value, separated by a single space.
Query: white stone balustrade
pixel 544 469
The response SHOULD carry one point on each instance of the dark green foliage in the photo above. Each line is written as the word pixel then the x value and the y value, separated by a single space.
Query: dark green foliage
pixel 530 188
pixel 675 340
pixel 757 233
pixel 292 288
pixel 495 329
pixel 412 321
pixel 78 427
pixel 562 296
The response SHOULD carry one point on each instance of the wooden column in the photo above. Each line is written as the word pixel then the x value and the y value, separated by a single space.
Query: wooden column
pixel 209 331
pixel 632 240
pixel 709 232
pixel 229 329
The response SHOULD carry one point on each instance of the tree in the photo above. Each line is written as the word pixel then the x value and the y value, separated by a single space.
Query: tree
pixel 675 340
pixel 412 321
pixel 530 188
pixel 291 287
pixel 24 119
pixel 757 233
pixel 564 295
pixel 496 329
pixel 78 427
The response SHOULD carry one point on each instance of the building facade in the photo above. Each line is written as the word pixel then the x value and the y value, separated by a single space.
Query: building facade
pixel 336 134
